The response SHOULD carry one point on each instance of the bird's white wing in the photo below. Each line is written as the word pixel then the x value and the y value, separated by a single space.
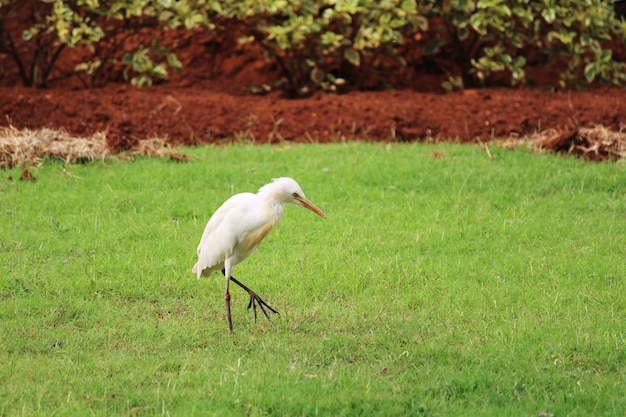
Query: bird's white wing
pixel 221 232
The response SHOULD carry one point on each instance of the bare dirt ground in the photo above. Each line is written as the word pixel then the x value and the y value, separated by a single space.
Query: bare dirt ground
pixel 195 108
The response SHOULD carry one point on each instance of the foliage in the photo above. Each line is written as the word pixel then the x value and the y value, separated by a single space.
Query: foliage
pixel 328 43
pixel 495 36
pixel 324 44
pixel 49 26
pixel 142 62
pixel 472 286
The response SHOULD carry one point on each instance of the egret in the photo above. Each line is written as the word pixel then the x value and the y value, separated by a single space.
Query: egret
pixel 238 226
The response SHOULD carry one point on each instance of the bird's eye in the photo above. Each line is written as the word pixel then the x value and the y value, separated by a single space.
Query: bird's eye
pixel 295 195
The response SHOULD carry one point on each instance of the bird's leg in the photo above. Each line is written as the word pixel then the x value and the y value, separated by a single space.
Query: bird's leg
pixel 227 299
pixel 254 299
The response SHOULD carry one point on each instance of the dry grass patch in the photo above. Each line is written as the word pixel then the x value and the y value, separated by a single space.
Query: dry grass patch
pixel 596 144
pixel 26 147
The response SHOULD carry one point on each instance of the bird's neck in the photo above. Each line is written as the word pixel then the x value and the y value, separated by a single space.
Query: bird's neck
pixel 274 209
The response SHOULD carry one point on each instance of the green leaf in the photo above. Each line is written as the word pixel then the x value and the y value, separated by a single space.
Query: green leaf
pixel 409 6
pixel 517 40
pixel 562 36
pixel 397 23
pixel 160 71
pixel 434 46
pixel 317 75
pixel 479 23
pixel 352 57
pixel 397 37
pixel 422 23
pixel 128 59
pixel 503 9
pixel 462 33
pixel 591 71
pixel 245 39
pixel 174 63
pixel 606 55
pixel 459 20
pixel 549 15
pixel 141 81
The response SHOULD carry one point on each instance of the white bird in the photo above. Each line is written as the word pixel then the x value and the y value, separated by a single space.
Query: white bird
pixel 238 226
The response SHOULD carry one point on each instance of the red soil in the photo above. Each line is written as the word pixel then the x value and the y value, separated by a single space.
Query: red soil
pixel 194 108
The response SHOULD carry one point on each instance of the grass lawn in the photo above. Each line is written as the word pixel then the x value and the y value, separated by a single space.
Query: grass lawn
pixel 443 283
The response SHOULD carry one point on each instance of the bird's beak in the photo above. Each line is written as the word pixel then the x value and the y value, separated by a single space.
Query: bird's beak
pixel 306 203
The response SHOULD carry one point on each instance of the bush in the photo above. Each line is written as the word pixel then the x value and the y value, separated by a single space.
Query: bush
pixel 487 37
pixel 325 44
pixel 35 33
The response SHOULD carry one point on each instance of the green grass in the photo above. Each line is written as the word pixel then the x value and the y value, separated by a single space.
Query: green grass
pixel 438 286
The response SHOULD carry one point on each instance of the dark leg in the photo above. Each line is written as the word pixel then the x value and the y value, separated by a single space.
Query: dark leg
pixel 228 316
pixel 254 299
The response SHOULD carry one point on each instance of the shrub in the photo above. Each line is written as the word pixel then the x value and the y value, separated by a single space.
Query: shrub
pixel 325 44
pixel 35 33
pixel 487 37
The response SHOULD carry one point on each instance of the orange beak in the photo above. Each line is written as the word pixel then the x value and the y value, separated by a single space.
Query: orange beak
pixel 306 203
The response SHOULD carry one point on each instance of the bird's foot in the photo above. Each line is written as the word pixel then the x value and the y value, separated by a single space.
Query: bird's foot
pixel 254 299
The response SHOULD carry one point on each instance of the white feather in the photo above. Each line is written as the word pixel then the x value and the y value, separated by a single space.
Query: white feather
pixel 240 224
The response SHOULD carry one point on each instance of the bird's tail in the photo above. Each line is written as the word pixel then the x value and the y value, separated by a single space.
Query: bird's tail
pixel 196 270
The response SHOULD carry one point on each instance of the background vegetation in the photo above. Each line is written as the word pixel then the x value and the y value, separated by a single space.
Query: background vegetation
pixel 443 283
pixel 324 44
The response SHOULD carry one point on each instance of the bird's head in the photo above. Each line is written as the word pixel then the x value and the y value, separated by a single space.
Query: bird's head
pixel 287 190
